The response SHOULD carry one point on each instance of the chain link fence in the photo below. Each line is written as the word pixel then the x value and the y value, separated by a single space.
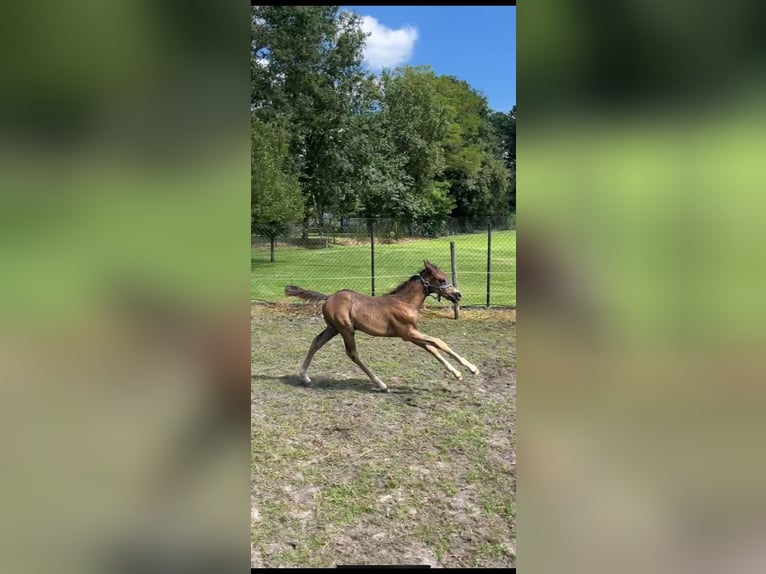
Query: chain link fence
pixel 373 256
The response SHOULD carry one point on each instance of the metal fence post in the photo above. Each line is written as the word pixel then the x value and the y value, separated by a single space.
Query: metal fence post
pixel 489 258
pixel 455 306
pixel 372 255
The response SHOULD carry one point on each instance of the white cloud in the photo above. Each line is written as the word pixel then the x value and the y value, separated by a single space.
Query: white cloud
pixel 387 48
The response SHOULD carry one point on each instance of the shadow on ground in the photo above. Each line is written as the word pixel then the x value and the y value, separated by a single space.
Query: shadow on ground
pixel 324 384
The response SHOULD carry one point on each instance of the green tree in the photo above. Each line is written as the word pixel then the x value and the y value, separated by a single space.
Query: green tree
pixel 306 73
pixel 453 151
pixel 479 180
pixel 382 185
pixel 409 144
pixel 415 121
pixel 505 124
pixel 385 188
pixel 275 198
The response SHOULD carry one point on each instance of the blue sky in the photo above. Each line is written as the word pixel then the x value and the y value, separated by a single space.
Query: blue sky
pixel 474 43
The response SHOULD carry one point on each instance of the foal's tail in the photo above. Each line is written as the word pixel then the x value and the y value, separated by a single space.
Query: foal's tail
pixel 293 291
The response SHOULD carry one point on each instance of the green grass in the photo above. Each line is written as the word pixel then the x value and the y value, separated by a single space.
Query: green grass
pixel 348 266
pixel 341 474
pixel 489 550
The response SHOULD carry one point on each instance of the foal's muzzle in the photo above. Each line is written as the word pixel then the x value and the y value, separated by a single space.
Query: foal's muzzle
pixel 454 295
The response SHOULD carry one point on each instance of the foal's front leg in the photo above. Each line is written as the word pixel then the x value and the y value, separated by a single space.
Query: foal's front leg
pixel 420 338
pixel 442 360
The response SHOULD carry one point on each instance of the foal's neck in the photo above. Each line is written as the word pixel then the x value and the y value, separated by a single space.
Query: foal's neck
pixel 414 292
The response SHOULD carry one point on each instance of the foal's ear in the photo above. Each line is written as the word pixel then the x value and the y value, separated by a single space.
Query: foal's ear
pixel 428 264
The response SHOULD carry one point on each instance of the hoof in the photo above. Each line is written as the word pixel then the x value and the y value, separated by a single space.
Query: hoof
pixel 305 380
pixel 459 377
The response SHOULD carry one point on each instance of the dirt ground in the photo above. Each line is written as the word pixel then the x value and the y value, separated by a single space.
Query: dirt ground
pixel 344 474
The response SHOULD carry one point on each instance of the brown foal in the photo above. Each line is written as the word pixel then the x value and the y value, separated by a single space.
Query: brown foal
pixel 392 315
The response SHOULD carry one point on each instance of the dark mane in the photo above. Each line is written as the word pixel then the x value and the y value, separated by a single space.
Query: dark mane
pixel 403 284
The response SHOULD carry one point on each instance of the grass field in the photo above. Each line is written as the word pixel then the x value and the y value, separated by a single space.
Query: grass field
pixel 348 266
pixel 342 474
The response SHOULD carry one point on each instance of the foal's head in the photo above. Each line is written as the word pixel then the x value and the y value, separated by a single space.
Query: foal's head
pixel 436 282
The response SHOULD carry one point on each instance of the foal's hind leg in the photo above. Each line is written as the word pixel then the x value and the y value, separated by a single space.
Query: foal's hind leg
pixel 316 344
pixel 353 354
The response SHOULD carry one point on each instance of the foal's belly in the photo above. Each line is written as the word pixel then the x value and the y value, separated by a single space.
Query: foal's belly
pixel 374 326
pixel 382 332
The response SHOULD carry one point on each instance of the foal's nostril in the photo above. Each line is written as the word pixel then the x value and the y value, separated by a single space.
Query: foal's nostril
pixel 458 295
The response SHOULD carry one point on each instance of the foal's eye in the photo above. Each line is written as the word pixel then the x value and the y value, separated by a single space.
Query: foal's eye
pixel 442 281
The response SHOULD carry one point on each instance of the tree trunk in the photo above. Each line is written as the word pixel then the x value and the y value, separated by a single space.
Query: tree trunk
pixel 273 244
